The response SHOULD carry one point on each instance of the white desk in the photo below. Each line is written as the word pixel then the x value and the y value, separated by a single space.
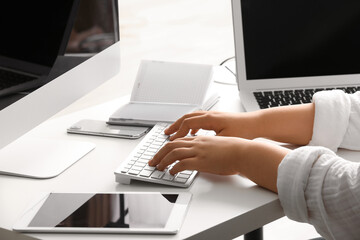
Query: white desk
pixel 221 207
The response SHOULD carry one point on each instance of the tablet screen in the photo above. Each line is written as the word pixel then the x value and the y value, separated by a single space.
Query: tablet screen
pixel 105 210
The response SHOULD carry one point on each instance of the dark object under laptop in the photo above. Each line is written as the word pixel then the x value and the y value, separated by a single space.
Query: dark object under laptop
pixel 33 35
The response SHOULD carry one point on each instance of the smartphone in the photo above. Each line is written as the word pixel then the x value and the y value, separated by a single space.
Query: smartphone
pixel 101 128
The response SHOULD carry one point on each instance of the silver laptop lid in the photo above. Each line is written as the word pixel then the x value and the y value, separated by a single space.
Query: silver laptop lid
pixel 297 43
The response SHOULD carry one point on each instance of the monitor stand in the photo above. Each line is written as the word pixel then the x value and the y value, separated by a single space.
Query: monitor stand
pixel 41 158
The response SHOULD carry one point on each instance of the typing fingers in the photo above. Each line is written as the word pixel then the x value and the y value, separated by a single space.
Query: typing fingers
pixel 185 164
pixel 196 122
pixel 180 143
pixel 177 154
pixel 194 131
pixel 175 126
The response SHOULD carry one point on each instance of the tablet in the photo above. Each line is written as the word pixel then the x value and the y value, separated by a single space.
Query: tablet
pixel 130 212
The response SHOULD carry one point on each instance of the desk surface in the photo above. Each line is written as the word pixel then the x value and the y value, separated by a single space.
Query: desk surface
pixel 221 207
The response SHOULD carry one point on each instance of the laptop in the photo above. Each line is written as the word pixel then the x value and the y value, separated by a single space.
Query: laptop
pixel 286 50
pixel 32 36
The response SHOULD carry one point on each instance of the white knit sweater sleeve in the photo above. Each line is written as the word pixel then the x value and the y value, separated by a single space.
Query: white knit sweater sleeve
pixel 317 186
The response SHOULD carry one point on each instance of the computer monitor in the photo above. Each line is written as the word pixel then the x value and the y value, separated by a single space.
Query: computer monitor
pixel 41 104
pixel 33 35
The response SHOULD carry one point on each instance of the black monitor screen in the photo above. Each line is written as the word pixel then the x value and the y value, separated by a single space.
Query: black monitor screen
pixel 33 31
pixel 300 38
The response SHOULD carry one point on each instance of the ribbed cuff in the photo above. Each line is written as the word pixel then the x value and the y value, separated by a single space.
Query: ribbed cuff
pixel 332 112
pixel 351 138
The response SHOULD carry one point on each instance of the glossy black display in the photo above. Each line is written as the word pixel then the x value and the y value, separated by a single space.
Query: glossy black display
pixel 298 38
pixel 105 210
pixel 33 31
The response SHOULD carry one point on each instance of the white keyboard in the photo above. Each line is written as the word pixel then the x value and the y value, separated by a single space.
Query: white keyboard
pixel 136 167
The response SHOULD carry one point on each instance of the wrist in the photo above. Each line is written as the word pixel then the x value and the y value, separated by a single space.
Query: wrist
pixel 259 127
pixel 259 162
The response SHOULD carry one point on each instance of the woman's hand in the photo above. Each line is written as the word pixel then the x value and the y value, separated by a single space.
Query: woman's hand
pixel 255 160
pixel 244 125
pixel 218 155
pixel 288 124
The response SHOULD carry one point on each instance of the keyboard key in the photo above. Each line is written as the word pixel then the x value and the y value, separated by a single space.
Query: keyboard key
pixel 168 177
pixel 155 144
pixel 140 164
pixel 145 158
pixel 155 148
pixel 181 175
pixel 187 172
pixel 125 170
pixel 157 174
pixel 180 180
pixel 149 168
pixel 134 172
pixel 162 137
pixel 149 154
pixel 151 150
pixel 146 173
pixel 137 168
pixel 129 165
pixel 159 141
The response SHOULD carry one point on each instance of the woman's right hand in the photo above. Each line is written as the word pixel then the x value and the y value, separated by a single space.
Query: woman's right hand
pixel 244 125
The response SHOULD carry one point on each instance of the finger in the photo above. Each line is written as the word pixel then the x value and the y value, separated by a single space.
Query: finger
pixel 166 149
pixel 176 125
pixel 174 155
pixel 196 122
pixel 194 131
pixel 185 164
pixel 185 139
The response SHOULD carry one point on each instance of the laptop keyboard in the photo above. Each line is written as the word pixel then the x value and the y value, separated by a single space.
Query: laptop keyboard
pixel 136 165
pixel 268 99
pixel 10 79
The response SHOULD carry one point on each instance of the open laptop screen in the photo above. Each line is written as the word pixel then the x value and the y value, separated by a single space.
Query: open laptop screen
pixel 33 31
pixel 301 38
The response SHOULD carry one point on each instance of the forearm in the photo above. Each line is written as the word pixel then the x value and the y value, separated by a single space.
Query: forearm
pixel 259 162
pixel 289 124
